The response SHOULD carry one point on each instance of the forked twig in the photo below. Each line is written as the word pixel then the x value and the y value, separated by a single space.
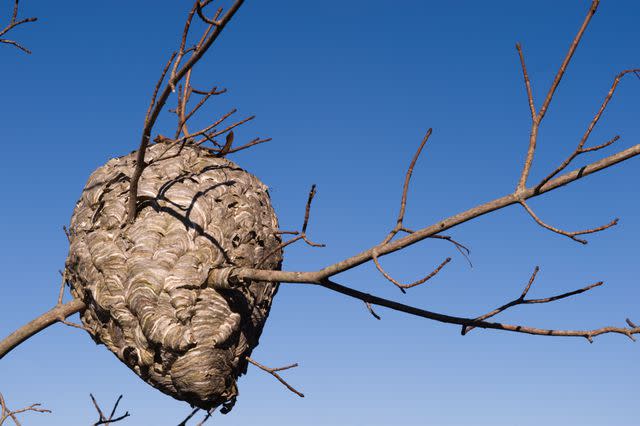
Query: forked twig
pixel 536 119
pixel 6 413
pixel 299 235
pixel 14 22
pixel 103 419
pixel 522 301
pixel 274 373
pixel 399 227
pixel 158 103
pixel 580 148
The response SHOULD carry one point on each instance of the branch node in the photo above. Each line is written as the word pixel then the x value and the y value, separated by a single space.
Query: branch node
pixel 274 373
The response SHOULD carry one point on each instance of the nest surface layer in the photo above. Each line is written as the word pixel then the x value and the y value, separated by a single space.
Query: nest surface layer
pixel 144 283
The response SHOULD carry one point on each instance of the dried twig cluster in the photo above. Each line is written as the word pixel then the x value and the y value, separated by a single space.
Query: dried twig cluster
pixel 181 64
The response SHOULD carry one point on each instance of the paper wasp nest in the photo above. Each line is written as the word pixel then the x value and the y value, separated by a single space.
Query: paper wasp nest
pixel 145 283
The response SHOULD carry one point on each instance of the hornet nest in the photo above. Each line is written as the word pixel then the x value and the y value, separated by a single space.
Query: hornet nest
pixel 144 283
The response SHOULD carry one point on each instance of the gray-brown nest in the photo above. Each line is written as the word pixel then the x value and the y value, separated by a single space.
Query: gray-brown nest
pixel 144 283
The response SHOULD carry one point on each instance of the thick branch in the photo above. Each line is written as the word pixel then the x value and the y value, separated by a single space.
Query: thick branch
pixel 441 226
pixel 470 322
pixel 53 316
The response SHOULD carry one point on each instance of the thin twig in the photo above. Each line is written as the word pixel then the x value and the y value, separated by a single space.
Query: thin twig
pixel 522 301
pixel 405 189
pixel 580 148
pixel 189 417
pixel 274 373
pixel 527 82
pixel 403 287
pixel 223 131
pixel 6 413
pixel 104 420
pixel 12 24
pixel 573 235
pixel 161 101
pixel 371 311
pixel 537 119
pixel 256 141
pixel 299 235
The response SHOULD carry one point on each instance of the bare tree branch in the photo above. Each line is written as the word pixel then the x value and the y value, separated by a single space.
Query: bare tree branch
pixel 438 227
pixel 274 373
pixel 103 419
pixel 14 22
pixel 38 324
pixel 158 104
pixel 574 234
pixel 522 301
pixel 580 148
pixel 6 413
pixel 537 119
pixel 299 235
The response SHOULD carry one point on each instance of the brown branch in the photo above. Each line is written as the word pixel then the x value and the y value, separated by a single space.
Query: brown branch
pixel 405 188
pixel 400 226
pixel 321 277
pixel 527 82
pixel 573 235
pixel 203 132
pixel 223 131
pixel 537 119
pixel 38 324
pixel 274 373
pixel 567 58
pixel 104 420
pixel 465 251
pixel 580 148
pixel 403 287
pixel 471 322
pixel 522 301
pixel 186 117
pixel 14 22
pixel 214 20
pixel 227 145
pixel 162 99
pixel 185 139
pixel 256 141
pixel 6 413
pixel 299 235
pixel 441 226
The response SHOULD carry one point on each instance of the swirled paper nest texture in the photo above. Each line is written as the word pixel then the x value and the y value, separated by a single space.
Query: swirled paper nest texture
pixel 145 283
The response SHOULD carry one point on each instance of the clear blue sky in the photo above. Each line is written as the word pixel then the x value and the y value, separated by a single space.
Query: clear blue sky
pixel 347 89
